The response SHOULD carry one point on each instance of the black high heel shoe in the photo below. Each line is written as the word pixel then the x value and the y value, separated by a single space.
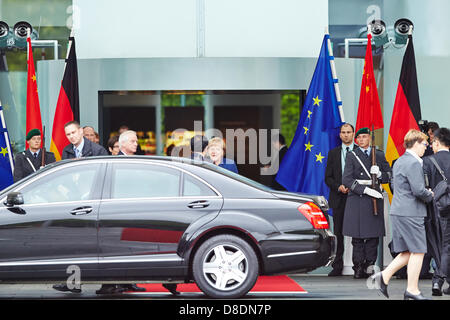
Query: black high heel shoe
pixel 410 296
pixel 378 277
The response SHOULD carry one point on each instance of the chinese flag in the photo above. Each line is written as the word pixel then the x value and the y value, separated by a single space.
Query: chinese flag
pixel 406 113
pixel 67 107
pixel 369 110
pixel 34 120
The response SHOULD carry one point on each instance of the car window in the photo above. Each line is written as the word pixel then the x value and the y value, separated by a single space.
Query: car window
pixel 193 187
pixel 144 181
pixel 69 184
pixel 236 176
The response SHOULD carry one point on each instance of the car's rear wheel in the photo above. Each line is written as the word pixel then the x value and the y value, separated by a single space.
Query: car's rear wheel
pixel 225 266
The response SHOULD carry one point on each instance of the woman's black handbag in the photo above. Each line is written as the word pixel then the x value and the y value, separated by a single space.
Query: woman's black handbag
pixel 441 191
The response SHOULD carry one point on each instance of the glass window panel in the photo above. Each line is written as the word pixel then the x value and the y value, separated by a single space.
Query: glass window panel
pixel 145 181
pixel 71 184
pixel 193 187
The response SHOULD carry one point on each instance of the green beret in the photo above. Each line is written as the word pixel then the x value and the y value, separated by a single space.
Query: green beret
pixel 32 133
pixel 362 131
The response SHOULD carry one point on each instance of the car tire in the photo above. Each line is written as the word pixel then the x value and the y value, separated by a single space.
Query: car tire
pixel 225 267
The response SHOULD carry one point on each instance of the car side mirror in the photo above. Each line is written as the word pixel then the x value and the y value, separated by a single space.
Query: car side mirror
pixel 13 199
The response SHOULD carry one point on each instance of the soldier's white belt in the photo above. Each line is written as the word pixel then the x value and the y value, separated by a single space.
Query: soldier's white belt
pixel 365 182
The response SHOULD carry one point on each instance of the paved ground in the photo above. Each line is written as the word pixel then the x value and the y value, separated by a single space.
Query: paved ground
pixel 318 287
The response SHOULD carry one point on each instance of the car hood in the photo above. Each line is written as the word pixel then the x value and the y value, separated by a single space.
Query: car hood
pixel 321 201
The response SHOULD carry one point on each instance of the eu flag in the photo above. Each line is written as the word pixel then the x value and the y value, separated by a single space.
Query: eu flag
pixel 303 166
pixel 6 156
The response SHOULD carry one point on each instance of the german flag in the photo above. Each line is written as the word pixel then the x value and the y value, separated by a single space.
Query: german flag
pixel 406 113
pixel 67 107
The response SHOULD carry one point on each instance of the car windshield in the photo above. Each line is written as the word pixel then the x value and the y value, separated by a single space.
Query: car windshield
pixel 235 176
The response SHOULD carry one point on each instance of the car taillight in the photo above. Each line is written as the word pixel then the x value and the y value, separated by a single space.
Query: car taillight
pixel 314 215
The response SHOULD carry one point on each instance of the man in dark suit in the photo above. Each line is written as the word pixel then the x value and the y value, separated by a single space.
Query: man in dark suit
pixel 30 160
pixel 128 146
pixel 199 143
pixel 80 146
pixel 89 133
pixel 441 146
pixel 128 143
pixel 124 128
pixel 432 126
pixel 338 192
pixel 279 145
pixel 360 221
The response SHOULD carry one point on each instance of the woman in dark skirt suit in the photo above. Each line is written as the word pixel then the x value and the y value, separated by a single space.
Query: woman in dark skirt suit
pixel 407 213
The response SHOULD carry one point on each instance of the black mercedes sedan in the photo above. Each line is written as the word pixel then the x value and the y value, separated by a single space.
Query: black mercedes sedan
pixel 157 219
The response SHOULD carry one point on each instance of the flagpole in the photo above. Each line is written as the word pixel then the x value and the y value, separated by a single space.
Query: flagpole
pixel 334 75
pixel 374 148
pixel 28 47
pixel 68 49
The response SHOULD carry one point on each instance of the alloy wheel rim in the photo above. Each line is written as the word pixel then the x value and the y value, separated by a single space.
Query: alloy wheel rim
pixel 225 267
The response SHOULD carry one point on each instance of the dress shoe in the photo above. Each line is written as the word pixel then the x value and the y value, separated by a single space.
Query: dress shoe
pixel 436 289
pixel 410 296
pixel 109 289
pixel 378 277
pixel 335 273
pixel 63 288
pixel 133 287
pixel 360 274
pixel 369 268
pixel 446 291
pixel 172 287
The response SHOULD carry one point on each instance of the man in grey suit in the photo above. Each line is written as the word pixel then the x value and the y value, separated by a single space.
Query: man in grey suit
pixel 440 220
pixel 360 222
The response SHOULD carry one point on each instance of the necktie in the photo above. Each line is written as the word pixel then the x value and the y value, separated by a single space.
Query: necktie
pixel 35 155
pixel 366 152
pixel 347 149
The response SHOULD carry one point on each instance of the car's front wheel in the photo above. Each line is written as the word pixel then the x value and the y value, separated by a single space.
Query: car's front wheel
pixel 225 266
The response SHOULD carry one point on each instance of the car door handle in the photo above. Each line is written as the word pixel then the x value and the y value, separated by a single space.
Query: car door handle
pixel 80 211
pixel 198 204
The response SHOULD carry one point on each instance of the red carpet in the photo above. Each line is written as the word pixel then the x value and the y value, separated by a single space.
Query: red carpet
pixel 266 284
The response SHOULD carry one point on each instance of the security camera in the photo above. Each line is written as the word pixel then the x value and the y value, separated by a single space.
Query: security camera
pixel 20 31
pixel 402 28
pixel 379 33
pixel 4 29
pixel 4 34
